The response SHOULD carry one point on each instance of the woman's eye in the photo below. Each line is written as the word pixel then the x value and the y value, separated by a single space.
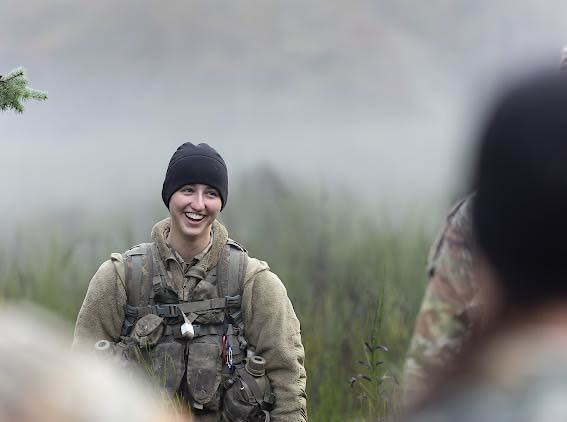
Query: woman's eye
pixel 188 190
pixel 212 194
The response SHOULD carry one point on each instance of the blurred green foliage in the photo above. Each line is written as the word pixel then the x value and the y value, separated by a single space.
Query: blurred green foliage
pixel 353 279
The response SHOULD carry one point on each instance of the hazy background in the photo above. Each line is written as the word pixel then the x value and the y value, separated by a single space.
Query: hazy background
pixel 346 126
pixel 379 98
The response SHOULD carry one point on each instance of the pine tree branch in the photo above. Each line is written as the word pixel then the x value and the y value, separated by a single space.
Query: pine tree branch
pixel 19 71
pixel 14 90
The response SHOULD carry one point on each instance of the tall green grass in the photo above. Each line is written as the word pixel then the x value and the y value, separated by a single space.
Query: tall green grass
pixel 337 260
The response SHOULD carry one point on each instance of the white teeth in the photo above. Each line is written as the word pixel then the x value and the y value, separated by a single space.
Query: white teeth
pixel 194 216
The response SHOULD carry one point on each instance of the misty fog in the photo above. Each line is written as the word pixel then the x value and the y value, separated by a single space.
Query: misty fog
pixel 377 97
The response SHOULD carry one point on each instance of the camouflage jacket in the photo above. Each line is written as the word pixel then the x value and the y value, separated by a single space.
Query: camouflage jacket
pixel 450 308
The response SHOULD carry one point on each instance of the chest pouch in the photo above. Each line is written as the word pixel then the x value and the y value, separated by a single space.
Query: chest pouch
pixel 161 357
pixel 148 330
pixel 204 371
pixel 168 364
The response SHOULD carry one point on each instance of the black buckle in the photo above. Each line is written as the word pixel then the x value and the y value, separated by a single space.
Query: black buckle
pixel 131 311
pixel 232 301
pixel 167 311
pixel 235 317
pixel 126 327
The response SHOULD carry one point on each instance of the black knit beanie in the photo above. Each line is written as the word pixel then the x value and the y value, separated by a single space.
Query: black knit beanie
pixel 195 164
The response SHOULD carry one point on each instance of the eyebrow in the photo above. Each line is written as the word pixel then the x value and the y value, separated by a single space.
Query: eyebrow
pixel 208 187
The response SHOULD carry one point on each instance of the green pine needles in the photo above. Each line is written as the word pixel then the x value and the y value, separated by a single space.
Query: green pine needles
pixel 14 89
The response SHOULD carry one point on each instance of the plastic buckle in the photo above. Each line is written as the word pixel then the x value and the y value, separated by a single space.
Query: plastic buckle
pixel 235 317
pixel 232 301
pixel 167 311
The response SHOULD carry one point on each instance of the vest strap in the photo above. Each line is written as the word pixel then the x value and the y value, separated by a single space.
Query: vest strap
pixel 200 330
pixel 174 310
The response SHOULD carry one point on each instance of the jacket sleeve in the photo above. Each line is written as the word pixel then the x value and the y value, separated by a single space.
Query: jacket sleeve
pixel 449 310
pixel 102 312
pixel 272 327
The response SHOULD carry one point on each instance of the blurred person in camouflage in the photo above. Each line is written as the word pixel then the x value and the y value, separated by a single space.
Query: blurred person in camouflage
pixel 456 303
pixel 42 381
pixel 210 324
pixel 451 309
pixel 516 369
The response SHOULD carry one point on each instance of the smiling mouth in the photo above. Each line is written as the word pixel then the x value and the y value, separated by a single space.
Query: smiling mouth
pixel 194 216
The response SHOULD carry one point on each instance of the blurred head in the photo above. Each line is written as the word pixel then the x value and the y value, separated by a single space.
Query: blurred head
pixel 41 380
pixel 195 164
pixel 520 211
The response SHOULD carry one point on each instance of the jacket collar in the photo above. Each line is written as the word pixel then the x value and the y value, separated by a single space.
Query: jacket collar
pixel 205 260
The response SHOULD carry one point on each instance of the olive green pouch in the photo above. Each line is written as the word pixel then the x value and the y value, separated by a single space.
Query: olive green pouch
pixel 204 372
pixel 169 364
pixel 148 330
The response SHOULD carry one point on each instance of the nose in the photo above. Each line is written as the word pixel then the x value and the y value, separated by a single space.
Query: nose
pixel 198 203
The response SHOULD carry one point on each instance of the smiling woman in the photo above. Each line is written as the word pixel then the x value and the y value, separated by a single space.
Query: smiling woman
pixel 195 190
pixel 209 323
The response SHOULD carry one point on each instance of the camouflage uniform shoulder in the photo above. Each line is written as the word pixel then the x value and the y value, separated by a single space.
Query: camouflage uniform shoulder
pixel 445 319
pixel 460 215
pixel 457 228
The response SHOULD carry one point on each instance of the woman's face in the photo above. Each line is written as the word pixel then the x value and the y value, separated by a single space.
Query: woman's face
pixel 193 208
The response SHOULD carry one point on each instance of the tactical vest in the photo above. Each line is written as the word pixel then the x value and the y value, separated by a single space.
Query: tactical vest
pixel 197 348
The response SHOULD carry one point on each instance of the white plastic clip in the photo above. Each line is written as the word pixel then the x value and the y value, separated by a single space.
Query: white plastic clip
pixel 187 329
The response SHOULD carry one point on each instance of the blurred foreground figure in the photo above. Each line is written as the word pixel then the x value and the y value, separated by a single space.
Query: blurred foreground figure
pixel 517 369
pixel 453 307
pixel 456 304
pixel 42 381
pixel 211 325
